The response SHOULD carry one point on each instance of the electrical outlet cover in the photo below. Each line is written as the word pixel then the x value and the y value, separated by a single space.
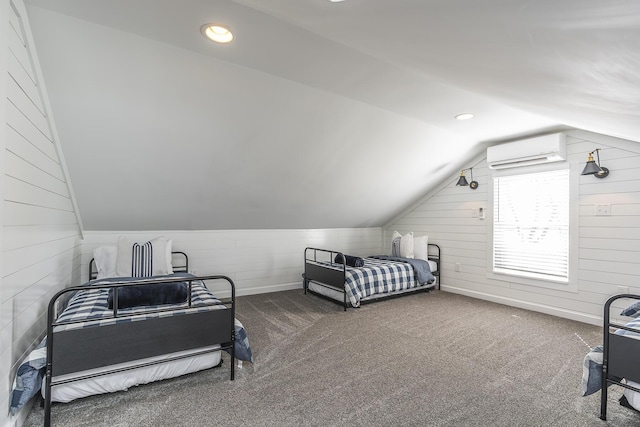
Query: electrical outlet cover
pixel 603 210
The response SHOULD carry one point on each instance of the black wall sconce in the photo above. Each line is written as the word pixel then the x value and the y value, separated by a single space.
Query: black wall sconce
pixel 462 181
pixel 593 168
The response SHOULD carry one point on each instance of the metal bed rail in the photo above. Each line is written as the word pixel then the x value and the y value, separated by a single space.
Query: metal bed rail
pixel 325 276
pixel 620 354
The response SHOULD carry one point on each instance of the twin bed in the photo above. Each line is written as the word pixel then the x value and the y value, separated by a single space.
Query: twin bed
pixel 117 332
pixel 352 281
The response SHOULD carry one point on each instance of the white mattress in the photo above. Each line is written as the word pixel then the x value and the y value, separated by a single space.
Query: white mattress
pixel 633 397
pixel 120 381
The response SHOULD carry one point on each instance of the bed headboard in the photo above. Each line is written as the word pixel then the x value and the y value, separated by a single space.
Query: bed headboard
pixel 179 261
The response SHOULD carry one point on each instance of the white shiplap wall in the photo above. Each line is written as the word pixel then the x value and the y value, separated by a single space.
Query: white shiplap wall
pixel 257 261
pixel 41 233
pixel 5 356
pixel 608 246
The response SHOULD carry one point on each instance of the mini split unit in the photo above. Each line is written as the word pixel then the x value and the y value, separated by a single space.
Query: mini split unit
pixel 527 152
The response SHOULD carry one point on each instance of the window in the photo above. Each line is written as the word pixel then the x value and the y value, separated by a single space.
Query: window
pixel 531 225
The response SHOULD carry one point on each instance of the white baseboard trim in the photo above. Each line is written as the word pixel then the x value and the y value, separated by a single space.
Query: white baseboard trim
pixel 554 311
pixel 261 290
pixel 268 289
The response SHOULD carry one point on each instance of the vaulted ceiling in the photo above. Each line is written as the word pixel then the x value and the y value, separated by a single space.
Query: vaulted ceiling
pixel 318 114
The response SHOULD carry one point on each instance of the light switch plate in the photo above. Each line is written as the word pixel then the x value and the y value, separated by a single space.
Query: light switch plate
pixel 603 210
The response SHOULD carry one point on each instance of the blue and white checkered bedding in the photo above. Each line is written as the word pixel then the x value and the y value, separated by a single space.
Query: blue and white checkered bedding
pixel 90 308
pixel 29 377
pixel 376 277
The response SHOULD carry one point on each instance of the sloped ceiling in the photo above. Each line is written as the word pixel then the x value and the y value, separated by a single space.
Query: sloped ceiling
pixel 318 114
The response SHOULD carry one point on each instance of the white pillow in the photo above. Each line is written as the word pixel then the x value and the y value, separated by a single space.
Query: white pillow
pixel 395 243
pixel 169 256
pixel 161 248
pixel 406 245
pixel 421 247
pixel 105 260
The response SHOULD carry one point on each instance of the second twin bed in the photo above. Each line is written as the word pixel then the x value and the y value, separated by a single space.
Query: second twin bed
pixel 352 281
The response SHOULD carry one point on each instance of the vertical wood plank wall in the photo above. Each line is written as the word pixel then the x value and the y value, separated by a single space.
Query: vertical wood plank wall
pixel 608 246
pixel 257 261
pixel 41 235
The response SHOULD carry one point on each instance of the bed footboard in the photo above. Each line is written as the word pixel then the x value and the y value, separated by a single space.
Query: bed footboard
pixel 333 278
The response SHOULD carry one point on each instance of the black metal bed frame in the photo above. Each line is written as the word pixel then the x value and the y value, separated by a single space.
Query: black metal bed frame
pixel 77 350
pixel 620 355
pixel 333 278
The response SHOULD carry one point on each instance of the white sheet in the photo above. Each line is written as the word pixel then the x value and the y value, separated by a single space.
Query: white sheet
pixel 123 380
pixel 633 397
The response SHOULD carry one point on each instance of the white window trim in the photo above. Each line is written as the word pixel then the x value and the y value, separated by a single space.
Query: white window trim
pixel 516 281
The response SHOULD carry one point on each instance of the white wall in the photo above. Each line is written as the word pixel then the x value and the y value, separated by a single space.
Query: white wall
pixel 608 246
pixel 268 153
pixel 256 260
pixel 5 355
pixel 40 234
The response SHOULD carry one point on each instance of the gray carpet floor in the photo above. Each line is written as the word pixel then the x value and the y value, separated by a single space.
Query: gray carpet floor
pixel 430 359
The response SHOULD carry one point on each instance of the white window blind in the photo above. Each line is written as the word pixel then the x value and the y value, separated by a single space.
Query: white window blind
pixel 531 225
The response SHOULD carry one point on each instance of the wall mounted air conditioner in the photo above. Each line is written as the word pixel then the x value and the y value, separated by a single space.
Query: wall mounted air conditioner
pixel 527 152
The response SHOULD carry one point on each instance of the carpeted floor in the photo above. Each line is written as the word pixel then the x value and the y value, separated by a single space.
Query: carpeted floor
pixel 436 359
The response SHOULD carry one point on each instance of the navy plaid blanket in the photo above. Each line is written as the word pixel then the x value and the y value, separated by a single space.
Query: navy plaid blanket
pixel 376 277
pixel 90 307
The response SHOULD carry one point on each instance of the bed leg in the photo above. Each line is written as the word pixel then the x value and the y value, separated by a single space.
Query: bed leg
pixel 233 366
pixel 603 391
pixel 47 400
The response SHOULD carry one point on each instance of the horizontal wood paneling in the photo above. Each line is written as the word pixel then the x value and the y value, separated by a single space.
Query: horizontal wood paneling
pixel 609 246
pixel 24 81
pixel 19 237
pixel 22 148
pixel 28 193
pixel 21 169
pixel 22 214
pixel 19 97
pixel 22 125
pixel 40 234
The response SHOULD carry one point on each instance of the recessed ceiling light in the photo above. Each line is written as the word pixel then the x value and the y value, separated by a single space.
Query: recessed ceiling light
pixel 464 116
pixel 217 33
pixel 335 1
